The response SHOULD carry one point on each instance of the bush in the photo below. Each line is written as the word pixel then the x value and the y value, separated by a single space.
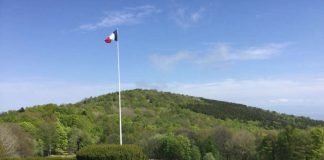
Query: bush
pixel 176 147
pixel 10 158
pixel 111 152
pixel 40 158
pixel 57 158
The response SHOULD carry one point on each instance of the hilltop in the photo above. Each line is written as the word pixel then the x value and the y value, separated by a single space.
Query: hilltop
pixel 151 99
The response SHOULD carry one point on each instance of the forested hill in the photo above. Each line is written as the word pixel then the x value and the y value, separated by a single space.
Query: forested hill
pixel 150 117
pixel 218 109
pixel 153 99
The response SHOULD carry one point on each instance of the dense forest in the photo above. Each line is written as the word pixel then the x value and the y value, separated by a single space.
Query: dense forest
pixel 167 126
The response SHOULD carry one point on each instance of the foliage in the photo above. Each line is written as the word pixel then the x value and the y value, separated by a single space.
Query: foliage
pixel 293 144
pixel 14 141
pixel 241 145
pixel 111 152
pixel 174 148
pixel 193 126
pixel 61 141
pixel 267 148
pixel 209 156
pixel 195 153
pixel 225 110
pixel 40 158
pixel 8 142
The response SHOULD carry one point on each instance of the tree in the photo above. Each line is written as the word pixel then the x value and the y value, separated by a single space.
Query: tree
pixel 293 144
pixel 24 141
pixel 209 156
pixel 61 140
pixel 14 141
pixel 22 109
pixel 241 145
pixel 47 133
pixel 174 148
pixel 220 137
pixel 77 140
pixel 317 143
pixel 284 149
pixel 195 153
pixel 8 141
pixel 267 148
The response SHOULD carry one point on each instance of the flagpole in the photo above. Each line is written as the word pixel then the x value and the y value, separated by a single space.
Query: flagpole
pixel 119 97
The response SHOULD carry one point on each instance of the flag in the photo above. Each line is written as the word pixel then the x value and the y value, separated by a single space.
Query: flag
pixel 112 37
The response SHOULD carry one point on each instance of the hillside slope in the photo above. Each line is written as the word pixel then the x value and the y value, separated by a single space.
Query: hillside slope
pixel 218 109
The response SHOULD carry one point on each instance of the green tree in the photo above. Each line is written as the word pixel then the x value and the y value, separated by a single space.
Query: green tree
pixel 195 153
pixel 47 135
pixel 293 144
pixel 284 149
pixel 77 140
pixel 61 140
pixel 174 148
pixel 317 143
pixel 267 148
pixel 209 156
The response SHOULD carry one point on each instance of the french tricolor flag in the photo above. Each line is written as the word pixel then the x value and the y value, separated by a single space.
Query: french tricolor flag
pixel 112 37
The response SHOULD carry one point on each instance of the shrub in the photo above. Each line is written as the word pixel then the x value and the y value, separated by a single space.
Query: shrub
pixel 57 158
pixel 111 152
pixel 175 147
pixel 40 158
pixel 10 158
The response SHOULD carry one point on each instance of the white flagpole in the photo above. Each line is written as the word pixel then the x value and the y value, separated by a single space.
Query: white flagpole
pixel 120 120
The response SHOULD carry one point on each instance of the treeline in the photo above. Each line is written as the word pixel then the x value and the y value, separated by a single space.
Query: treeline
pixel 271 120
pixel 163 124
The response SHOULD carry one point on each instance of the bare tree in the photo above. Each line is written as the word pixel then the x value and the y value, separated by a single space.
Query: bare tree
pixel 8 141
pixel 241 145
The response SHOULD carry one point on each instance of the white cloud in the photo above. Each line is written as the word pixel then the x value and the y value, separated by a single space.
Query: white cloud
pixel 279 100
pixel 128 16
pixel 185 18
pixel 146 85
pixel 224 52
pixel 218 54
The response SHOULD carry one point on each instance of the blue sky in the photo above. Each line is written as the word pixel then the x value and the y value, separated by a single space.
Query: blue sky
pixel 266 54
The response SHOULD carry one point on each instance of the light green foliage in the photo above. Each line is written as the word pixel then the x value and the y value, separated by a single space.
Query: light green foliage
pixel 29 127
pixel 209 156
pixel 111 152
pixel 61 139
